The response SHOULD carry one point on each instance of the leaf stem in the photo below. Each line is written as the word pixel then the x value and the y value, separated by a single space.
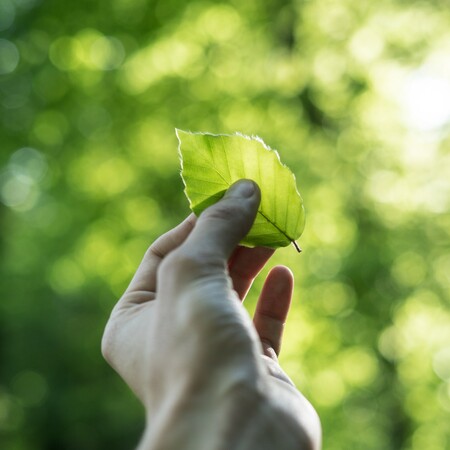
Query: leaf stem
pixel 274 225
pixel 297 247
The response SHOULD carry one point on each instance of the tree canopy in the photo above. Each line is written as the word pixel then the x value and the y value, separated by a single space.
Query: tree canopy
pixel 354 95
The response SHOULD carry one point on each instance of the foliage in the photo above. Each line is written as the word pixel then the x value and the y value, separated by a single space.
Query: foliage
pixel 357 96
pixel 211 163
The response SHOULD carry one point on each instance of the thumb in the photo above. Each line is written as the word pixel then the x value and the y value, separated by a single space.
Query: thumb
pixel 221 227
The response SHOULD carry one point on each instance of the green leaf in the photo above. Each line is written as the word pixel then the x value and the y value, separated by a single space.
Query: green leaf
pixel 212 163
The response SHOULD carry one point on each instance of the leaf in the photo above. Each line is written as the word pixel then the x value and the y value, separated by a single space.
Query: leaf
pixel 212 163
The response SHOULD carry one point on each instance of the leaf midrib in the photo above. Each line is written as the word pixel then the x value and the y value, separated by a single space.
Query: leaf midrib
pixel 275 226
pixel 228 183
pixel 259 211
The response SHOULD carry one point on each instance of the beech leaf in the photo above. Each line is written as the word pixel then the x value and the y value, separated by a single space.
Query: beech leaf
pixel 211 163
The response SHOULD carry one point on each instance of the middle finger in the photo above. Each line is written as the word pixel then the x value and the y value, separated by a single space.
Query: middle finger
pixel 245 264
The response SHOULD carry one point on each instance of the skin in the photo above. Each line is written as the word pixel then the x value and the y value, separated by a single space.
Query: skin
pixel 207 375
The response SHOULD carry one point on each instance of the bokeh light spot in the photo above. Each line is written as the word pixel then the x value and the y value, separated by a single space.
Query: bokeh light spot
pixel 325 264
pixel 426 100
pixel 29 162
pixel 15 191
pixel 334 298
pixel 441 270
pixel 30 387
pixel 409 269
pixel 444 396
pixel 141 213
pixel 98 251
pixel 65 276
pixel 391 343
pixel 367 44
pixel 11 413
pixel 174 55
pixel 441 364
pixel 417 408
pixel 50 128
pixel 17 187
pixel 107 53
pixel 65 53
pixel 327 388
pixel 99 175
pixel 9 57
pixel 219 22
pixel 329 66
pixel 358 366
pixel 7 14
pixel 19 182
pixel 429 437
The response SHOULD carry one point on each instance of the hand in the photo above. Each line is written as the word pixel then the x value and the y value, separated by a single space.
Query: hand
pixel 182 341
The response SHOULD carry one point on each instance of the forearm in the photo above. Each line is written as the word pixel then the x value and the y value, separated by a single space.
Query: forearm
pixel 238 416
pixel 202 422
pixel 251 423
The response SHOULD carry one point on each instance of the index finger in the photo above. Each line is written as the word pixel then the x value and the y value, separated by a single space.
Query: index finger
pixel 145 277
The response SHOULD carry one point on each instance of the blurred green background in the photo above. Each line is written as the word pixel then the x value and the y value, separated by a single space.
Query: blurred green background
pixel 356 98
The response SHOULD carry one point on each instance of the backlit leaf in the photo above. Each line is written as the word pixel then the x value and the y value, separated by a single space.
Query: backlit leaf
pixel 212 163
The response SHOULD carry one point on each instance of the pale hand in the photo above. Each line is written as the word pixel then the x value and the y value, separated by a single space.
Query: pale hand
pixel 208 377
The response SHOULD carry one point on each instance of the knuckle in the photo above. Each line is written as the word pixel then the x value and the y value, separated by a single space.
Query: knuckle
pixel 192 263
pixel 179 259
pixel 217 317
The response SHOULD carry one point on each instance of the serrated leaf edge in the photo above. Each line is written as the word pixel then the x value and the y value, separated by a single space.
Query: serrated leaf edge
pixel 250 138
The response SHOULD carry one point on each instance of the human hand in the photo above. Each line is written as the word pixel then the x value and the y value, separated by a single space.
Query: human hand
pixel 182 341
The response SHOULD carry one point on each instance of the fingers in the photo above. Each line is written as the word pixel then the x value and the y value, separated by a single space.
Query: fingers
pixel 146 275
pixel 204 242
pixel 273 307
pixel 244 266
pixel 220 227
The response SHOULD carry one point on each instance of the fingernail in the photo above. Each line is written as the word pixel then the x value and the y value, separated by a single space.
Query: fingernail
pixel 242 188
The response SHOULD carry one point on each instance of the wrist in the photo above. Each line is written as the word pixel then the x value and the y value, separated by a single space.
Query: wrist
pixel 204 420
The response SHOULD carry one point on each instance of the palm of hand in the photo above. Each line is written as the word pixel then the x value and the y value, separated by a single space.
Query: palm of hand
pixel 176 300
